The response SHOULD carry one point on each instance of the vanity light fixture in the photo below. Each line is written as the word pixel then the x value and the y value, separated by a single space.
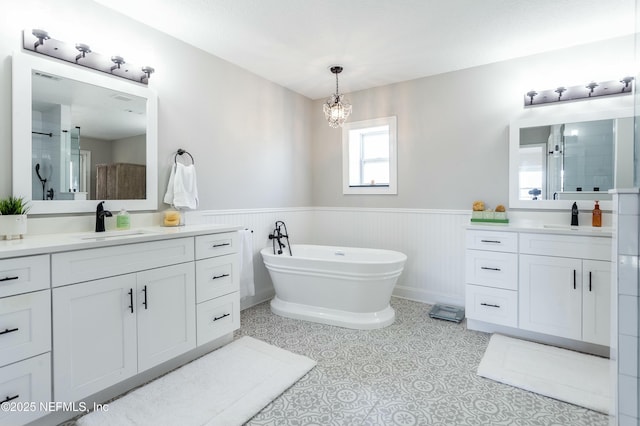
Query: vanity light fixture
pixel 148 71
pixel 83 49
pixel 41 35
pixel 623 86
pixel 337 109
pixel 117 60
pixel 78 54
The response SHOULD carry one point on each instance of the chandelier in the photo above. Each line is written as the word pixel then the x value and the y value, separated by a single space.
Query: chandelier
pixel 337 108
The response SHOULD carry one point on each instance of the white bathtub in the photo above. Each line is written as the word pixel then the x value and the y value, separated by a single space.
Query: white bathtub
pixel 343 286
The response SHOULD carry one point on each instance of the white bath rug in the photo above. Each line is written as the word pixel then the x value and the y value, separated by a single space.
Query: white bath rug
pixel 225 387
pixel 562 374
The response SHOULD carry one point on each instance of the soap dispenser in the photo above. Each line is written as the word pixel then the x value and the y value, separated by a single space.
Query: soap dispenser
pixel 123 220
pixel 574 214
pixel 596 218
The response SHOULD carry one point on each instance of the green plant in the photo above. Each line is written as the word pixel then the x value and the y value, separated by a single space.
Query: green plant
pixel 13 205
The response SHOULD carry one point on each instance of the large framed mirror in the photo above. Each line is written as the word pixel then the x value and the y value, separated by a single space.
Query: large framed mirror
pixel 556 160
pixel 80 137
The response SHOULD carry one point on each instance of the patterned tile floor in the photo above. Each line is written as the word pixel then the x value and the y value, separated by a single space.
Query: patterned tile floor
pixel 418 371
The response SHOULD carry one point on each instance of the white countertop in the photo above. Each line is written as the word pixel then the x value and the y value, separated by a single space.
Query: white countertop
pixel 531 226
pixel 51 243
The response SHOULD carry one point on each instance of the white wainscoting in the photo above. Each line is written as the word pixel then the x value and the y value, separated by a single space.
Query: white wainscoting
pixel 433 241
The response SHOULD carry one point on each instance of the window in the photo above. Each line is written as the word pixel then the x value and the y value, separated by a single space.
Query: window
pixel 369 156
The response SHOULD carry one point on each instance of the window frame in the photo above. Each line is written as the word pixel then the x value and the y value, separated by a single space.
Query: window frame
pixel 391 188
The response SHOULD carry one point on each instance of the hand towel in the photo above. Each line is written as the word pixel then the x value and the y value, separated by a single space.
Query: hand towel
pixel 185 190
pixel 247 286
pixel 168 196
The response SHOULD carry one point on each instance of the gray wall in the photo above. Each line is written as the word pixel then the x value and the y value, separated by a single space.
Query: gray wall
pixel 250 137
pixel 453 128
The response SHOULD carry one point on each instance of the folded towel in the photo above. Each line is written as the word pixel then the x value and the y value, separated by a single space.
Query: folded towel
pixel 182 190
pixel 247 286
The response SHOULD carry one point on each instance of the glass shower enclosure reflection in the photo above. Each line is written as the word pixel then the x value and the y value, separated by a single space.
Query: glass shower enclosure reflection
pixel 56 162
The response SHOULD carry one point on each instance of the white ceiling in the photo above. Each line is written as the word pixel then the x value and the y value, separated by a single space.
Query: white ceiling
pixel 294 42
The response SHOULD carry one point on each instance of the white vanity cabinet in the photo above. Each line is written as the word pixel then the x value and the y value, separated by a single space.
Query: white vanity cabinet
pixel 566 296
pixel 217 285
pixel 491 271
pixel 543 282
pixel 106 330
pixel 25 338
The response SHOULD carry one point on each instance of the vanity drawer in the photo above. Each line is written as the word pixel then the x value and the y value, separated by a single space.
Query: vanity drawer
pixel 85 265
pixel 584 247
pixel 217 317
pixel 492 269
pixel 492 240
pixel 27 384
pixel 493 305
pixel 25 326
pixel 217 244
pixel 24 274
pixel 216 276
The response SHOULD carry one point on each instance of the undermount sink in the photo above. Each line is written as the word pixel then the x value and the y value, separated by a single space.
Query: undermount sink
pixel 98 236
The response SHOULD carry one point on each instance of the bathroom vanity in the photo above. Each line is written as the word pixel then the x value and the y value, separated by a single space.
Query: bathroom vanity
pixel 83 313
pixel 550 284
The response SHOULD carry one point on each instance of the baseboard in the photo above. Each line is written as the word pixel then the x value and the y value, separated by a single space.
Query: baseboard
pixel 419 295
pixel 257 299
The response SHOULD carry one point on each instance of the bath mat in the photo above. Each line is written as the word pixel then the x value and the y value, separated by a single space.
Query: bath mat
pixel 569 376
pixel 225 387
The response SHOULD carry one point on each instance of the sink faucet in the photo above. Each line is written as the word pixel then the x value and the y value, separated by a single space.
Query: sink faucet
pixel 100 215
pixel 574 214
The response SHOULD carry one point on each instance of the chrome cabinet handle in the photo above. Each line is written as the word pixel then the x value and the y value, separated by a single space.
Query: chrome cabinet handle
pixel 490 269
pixel 220 317
pixel 490 305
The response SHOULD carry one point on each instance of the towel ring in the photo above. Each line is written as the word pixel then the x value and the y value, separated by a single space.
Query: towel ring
pixel 180 152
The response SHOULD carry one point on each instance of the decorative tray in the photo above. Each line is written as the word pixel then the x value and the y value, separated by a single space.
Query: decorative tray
pixel 447 312
pixel 490 220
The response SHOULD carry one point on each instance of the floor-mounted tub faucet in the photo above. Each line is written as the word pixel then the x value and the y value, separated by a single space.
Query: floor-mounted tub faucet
pixel 100 215
pixel 278 236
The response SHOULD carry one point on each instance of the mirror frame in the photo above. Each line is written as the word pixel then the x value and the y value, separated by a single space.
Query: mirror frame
pixel 547 120
pixel 22 66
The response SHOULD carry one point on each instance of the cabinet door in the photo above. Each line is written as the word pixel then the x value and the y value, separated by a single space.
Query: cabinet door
pixel 550 295
pixel 596 301
pixel 166 313
pixel 94 336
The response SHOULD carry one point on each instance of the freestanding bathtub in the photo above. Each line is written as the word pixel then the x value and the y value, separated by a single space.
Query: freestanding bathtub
pixel 343 286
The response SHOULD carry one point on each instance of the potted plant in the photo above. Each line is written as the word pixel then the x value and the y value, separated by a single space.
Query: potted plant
pixel 13 217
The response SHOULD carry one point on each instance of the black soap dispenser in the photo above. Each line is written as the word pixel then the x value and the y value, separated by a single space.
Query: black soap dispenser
pixel 574 214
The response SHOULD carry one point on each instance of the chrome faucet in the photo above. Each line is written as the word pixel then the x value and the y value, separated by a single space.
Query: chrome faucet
pixel 100 215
